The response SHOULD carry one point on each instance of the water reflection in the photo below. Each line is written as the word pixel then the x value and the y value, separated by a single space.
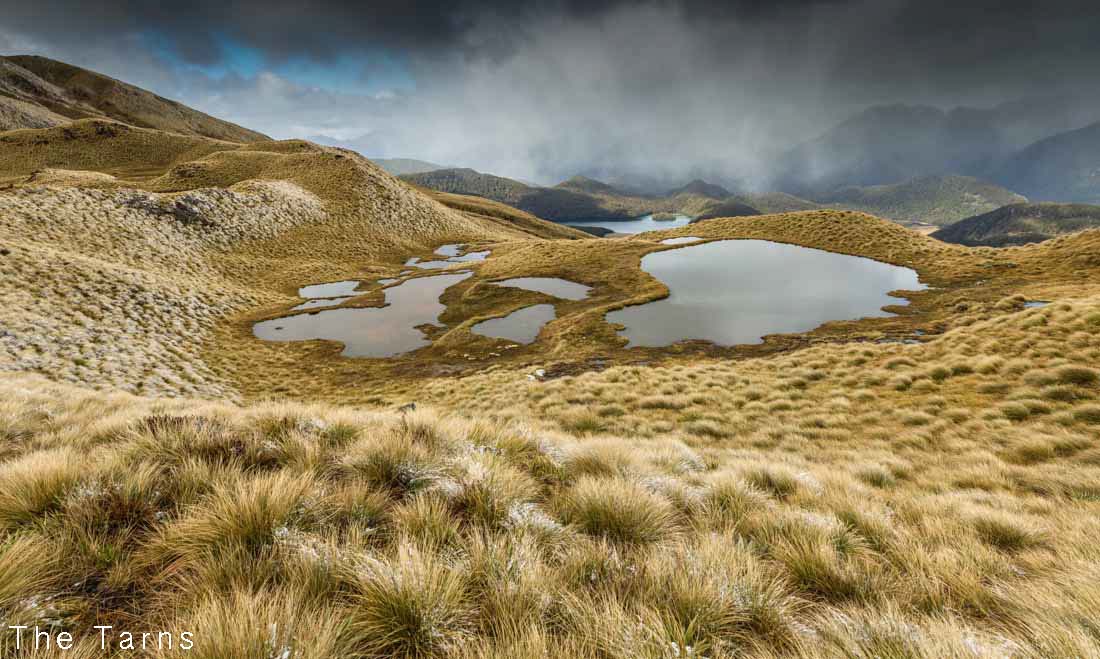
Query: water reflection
pixel 371 332
pixel 521 326
pixel 563 288
pixel 636 225
pixel 737 291
pixel 331 289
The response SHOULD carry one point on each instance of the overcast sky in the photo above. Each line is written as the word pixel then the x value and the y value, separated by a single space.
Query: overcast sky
pixel 537 90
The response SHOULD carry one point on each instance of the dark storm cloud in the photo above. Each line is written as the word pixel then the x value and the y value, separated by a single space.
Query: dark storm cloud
pixel 886 40
pixel 326 28
pixel 543 89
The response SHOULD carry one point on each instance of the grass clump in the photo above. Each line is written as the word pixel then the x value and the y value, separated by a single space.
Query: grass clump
pixel 410 604
pixel 1007 532
pixel 619 510
pixel 35 484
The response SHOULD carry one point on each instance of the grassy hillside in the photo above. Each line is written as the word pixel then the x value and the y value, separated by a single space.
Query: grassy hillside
pixel 727 208
pixel 36 92
pixel 496 211
pixel 1063 168
pixel 850 489
pixel 105 272
pixel 939 200
pixel 776 202
pixel 469 182
pixel 1019 224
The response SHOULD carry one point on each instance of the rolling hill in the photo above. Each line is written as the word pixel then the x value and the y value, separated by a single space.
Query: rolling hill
pixel 939 200
pixel 499 212
pixel 36 92
pixel 578 198
pixel 700 188
pixel 725 208
pixel 467 181
pixel 1019 224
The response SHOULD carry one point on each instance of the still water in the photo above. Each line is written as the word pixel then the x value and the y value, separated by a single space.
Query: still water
pixel 371 332
pixel 521 326
pixel 734 292
pixel 556 286
pixel 331 289
pixel 636 225
pixel 452 253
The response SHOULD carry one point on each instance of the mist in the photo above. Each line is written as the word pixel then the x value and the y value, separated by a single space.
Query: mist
pixel 653 93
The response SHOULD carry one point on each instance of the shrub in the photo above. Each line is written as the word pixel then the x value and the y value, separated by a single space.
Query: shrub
pixel 876 476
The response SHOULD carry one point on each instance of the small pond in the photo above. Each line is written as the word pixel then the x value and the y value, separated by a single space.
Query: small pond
pixel 563 288
pixel 636 225
pixel 332 289
pixel 734 292
pixel 521 326
pixel 320 303
pixel 371 332
pixel 683 240
pixel 452 252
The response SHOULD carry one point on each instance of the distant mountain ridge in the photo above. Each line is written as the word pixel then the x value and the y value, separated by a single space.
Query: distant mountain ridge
pixel 577 198
pixel 1064 167
pixel 891 143
pixel 1019 224
pixel 37 92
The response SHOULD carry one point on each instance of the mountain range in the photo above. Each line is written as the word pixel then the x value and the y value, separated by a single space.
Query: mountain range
pixel 1043 148
pixel 938 200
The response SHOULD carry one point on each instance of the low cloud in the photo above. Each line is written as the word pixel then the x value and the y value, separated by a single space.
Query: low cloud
pixel 656 90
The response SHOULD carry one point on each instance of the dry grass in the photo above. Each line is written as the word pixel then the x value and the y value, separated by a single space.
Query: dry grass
pixel 324 531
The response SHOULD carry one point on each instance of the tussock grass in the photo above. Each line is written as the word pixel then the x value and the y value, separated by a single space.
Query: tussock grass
pixel 323 531
pixel 618 510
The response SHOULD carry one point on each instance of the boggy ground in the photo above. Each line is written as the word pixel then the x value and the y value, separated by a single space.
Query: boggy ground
pixel 964 284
